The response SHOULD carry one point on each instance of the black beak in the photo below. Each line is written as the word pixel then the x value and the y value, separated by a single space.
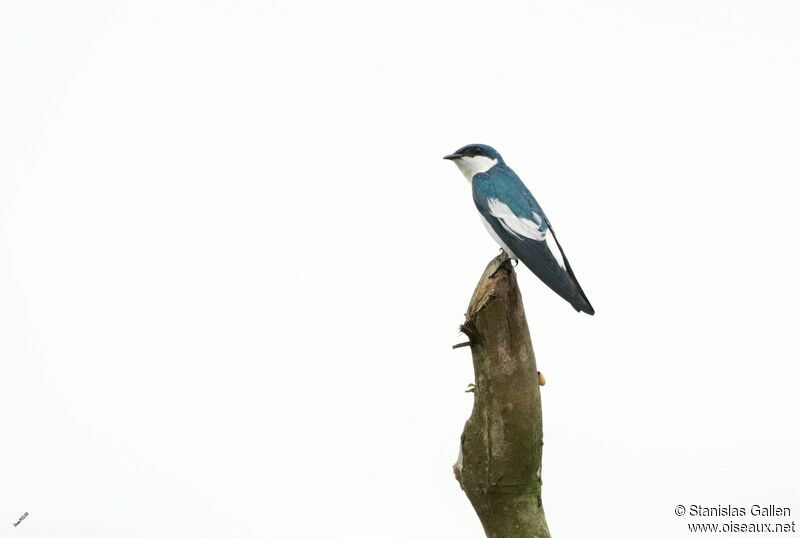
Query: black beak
pixel 453 157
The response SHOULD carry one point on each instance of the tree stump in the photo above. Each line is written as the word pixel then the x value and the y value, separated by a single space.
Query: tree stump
pixel 500 462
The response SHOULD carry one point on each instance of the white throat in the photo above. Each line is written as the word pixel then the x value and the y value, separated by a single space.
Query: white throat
pixel 477 164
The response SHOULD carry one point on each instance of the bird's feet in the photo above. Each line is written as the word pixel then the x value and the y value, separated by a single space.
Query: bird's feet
pixel 507 264
pixel 470 387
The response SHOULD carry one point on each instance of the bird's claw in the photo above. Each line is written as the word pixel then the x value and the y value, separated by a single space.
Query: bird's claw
pixel 507 264
pixel 470 387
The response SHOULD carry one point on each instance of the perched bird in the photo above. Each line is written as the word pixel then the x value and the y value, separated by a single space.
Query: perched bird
pixel 516 221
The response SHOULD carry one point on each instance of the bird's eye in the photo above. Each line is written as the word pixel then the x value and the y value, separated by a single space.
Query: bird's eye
pixel 477 151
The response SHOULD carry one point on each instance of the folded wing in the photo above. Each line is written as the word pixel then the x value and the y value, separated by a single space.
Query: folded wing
pixel 532 240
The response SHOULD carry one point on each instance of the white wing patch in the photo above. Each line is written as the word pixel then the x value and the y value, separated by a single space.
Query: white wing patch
pixel 525 228
pixel 513 224
pixel 555 251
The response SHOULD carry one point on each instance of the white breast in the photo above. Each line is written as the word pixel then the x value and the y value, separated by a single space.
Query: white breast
pixel 497 238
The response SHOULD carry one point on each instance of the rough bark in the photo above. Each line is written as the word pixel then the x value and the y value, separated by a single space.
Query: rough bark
pixel 500 462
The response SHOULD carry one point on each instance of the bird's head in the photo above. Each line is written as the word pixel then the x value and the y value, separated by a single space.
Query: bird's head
pixel 475 159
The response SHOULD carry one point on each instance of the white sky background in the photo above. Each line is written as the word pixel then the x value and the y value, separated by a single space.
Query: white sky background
pixel 233 262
